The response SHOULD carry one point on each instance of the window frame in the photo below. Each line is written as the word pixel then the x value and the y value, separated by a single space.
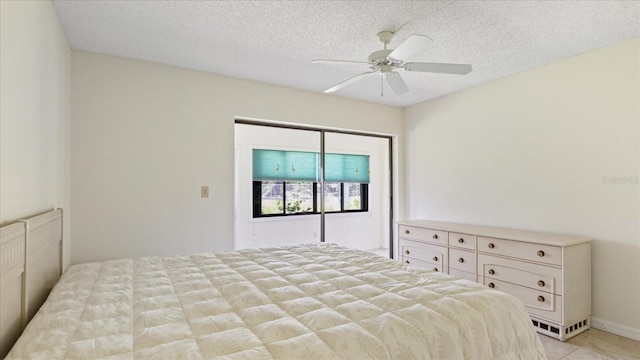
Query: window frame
pixel 257 201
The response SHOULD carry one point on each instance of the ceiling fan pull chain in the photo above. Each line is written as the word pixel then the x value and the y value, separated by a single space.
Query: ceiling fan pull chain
pixel 381 87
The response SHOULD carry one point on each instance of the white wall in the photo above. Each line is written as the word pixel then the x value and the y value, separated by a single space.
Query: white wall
pixel 35 72
pixel 362 230
pixel 145 138
pixel 530 151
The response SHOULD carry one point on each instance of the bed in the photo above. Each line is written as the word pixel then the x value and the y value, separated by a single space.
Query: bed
pixel 311 301
pixel 30 265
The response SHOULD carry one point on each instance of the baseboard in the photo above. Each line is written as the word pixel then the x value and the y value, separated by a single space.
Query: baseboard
pixel 615 328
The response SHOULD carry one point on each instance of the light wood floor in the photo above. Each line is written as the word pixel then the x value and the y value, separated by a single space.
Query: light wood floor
pixel 591 344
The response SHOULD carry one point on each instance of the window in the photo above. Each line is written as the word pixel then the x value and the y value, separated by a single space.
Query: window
pixel 345 197
pixel 271 197
pixel 352 198
pixel 300 198
pixel 288 183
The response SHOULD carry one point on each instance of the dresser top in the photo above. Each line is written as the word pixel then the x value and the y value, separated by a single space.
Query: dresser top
pixel 502 233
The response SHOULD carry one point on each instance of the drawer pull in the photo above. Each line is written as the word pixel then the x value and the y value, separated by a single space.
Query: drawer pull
pixel 540 253
pixel 435 236
pixel 407 252
pixel 435 258
pixel 460 260
pixel 407 262
pixel 491 272
pixel 491 246
pixel 407 232
pixel 435 269
pixel 541 283
pixel 541 298
pixel 491 285
pixel 461 240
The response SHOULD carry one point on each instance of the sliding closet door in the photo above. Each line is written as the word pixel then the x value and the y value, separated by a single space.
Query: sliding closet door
pixel 276 183
pixel 357 198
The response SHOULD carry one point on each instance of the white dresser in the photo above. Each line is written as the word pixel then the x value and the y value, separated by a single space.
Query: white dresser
pixel 549 273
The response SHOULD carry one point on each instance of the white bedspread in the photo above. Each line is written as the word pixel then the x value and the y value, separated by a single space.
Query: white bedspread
pixel 300 302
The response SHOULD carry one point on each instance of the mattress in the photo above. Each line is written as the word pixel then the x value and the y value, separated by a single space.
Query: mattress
pixel 312 301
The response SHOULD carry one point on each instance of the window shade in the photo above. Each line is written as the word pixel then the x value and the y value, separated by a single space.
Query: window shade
pixel 305 166
pixel 285 165
pixel 346 168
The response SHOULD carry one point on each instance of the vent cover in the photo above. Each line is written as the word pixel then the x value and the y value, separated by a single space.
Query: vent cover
pixel 559 332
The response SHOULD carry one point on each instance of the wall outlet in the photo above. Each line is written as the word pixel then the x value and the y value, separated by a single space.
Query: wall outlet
pixel 204 192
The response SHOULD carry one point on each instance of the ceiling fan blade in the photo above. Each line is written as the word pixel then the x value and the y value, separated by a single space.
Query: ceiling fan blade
pixel 348 82
pixel 327 61
pixel 459 69
pixel 410 46
pixel 397 84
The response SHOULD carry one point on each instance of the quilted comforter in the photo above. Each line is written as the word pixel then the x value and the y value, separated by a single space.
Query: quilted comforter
pixel 319 301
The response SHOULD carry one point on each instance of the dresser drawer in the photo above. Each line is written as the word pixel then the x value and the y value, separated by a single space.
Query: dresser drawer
pixel 536 302
pixel 534 252
pixel 534 276
pixel 424 252
pixel 462 260
pixel 464 241
pixel 423 264
pixel 462 274
pixel 423 234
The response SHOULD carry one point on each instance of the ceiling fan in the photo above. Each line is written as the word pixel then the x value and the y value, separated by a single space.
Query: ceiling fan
pixel 386 61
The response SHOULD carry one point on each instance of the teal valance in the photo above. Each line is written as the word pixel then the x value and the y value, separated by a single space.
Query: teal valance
pixel 346 168
pixel 286 165
pixel 282 165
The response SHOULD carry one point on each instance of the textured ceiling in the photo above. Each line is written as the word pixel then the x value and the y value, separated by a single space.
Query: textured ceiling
pixel 274 41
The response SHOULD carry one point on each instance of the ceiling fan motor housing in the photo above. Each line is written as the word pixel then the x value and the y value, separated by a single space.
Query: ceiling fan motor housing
pixel 380 57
